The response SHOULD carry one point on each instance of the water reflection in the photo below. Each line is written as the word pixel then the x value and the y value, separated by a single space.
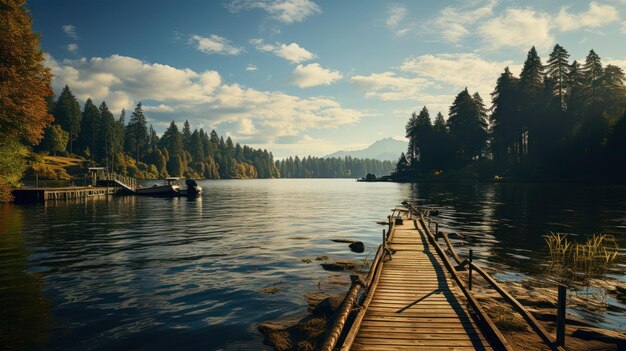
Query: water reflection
pixel 23 306
pixel 150 273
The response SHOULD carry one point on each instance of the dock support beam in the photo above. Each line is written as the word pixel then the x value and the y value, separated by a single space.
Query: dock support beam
pixel 560 316
pixel 471 254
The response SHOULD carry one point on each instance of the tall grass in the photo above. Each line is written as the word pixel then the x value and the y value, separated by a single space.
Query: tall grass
pixel 581 261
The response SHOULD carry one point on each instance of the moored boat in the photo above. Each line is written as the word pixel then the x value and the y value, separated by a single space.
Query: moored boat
pixel 171 187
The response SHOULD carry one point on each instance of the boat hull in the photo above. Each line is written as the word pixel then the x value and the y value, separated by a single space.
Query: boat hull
pixel 163 190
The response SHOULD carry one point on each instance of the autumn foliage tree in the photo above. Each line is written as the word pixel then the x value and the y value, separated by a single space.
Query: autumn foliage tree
pixel 24 85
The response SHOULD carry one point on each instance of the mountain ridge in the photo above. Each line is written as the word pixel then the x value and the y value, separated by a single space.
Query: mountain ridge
pixel 386 149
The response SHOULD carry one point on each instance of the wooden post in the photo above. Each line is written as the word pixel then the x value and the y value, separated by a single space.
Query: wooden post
pixel 471 254
pixel 436 230
pixel 383 238
pixel 560 316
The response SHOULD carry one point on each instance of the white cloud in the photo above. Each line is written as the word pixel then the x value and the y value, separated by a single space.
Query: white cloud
pixel 251 68
pixel 454 32
pixel 458 71
pixel 518 28
pixel 388 86
pixel 396 15
pixel 70 30
pixel 430 79
pixel 624 27
pixel 618 63
pixel 285 11
pixel 306 76
pixel 596 16
pixel 214 44
pixel 72 47
pixel 453 22
pixel 290 52
pixel 202 97
pixel 158 108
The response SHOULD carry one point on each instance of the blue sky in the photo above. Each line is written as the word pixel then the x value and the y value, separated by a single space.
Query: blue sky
pixel 307 77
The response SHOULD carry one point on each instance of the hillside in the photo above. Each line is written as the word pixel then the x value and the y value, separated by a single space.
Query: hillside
pixel 387 149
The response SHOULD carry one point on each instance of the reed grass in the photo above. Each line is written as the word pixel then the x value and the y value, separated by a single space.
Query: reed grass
pixel 582 260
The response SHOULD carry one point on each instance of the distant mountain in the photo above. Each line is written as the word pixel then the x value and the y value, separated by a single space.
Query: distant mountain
pixel 384 149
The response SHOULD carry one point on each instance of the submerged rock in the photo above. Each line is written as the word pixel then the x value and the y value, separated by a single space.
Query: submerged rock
pixel 357 247
pixel 305 333
pixel 339 265
pixel 328 306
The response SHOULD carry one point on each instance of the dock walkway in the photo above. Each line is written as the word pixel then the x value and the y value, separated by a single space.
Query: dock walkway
pixel 414 304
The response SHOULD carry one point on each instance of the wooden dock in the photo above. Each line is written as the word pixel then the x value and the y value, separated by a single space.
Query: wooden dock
pixel 415 299
pixel 415 304
pixel 102 183
pixel 34 195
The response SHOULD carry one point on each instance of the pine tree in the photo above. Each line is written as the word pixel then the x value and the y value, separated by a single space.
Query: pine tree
pixel 440 124
pixel 90 130
pixel 107 135
pixel 196 146
pixel 558 70
pixel 531 85
pixel 505 120
pixel 186 135
pixel 531 78
pixel 467 127
pixel 410 135
pixel 67 114
pixel 592 73
pixel 153 139
pixel 137 133
pixel 172 140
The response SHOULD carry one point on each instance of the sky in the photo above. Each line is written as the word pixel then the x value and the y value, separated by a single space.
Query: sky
pixel 307 77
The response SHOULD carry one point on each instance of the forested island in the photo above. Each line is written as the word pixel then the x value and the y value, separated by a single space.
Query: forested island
pixel 558 121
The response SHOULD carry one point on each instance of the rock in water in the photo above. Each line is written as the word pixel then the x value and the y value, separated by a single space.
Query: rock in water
pixel 357 247
pixel 339 265
pixel 328 306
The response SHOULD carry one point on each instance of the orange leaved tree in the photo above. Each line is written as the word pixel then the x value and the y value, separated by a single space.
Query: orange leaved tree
pixel 24 84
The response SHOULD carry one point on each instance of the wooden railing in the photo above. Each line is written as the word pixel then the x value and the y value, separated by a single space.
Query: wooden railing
pixel 349 301
pixel 494 334
pixel 104 175
pixel 554 344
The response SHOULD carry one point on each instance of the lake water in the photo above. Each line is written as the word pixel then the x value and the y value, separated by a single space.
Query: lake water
pixel 161 274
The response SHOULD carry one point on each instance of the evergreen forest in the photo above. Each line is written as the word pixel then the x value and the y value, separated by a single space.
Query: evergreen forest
pixel 133 148
pixel 558 120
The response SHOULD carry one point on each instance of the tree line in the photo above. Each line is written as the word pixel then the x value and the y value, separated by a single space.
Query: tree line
pixel 560 120
pixel 333 167
pixel 133 148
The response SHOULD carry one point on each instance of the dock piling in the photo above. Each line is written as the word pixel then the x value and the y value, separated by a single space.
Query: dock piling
pixel 560 316
pixel 471 254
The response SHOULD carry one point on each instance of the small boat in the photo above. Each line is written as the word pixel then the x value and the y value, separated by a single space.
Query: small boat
pixel 171 187
pixel 192 189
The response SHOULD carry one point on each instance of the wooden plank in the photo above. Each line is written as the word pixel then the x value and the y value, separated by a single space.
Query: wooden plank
pixel 381 340
pixel 417 348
